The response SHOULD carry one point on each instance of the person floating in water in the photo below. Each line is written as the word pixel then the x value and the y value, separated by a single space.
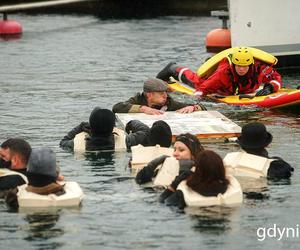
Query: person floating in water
pixel 154 101
pixel 207 185
pixel 253 159
pixel 100 133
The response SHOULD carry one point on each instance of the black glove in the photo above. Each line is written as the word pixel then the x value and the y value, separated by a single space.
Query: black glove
pixel 179 178
pixel 164 195
pixel 267 89
pixel 279 169
pixel 148 172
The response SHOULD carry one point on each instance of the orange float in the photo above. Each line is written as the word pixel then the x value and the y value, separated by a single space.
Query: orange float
pixel 10 29
pixel 217 40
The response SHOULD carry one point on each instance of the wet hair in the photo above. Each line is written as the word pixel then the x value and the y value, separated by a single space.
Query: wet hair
pixel 192 142
pixel 102 122
pixel 161 134
pixel 209 178
pixel 18 146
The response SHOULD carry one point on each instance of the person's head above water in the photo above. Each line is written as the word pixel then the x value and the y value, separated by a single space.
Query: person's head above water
pixel 254 136
pixel 187 146
pixel 102 122
pixel 161 134
pixel 242 58
pixel 155 90
pixel 41 167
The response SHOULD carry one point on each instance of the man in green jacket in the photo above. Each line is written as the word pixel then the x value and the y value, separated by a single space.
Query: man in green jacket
pixel 154 101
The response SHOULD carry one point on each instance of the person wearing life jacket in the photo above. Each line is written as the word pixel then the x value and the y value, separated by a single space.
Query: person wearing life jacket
pixel 186 148
pixel 239 73
pixel 14 155
pixel 154 101
pixel 253 159
pixel 208 185
pixel 42 176
pixel 102 134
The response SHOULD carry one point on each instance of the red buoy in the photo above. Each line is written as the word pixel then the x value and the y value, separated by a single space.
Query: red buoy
pixel 10 29
pixel 218 40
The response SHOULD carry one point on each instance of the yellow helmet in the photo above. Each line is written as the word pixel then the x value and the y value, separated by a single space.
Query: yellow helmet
pixel 242 56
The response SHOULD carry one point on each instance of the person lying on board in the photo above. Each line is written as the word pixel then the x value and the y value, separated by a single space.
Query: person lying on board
pixel 186 148
pixel 100 133
pixel 253 160
pixel 14 155
pixel 208 185
pixel 154 101
pixel 238 73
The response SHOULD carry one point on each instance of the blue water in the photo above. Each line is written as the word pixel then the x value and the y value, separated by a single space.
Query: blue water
pixel 51 79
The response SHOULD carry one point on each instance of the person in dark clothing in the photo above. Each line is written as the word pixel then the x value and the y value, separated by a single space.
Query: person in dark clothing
pixel 99 128
pixel 42 176
pixel 254 140
pixel 159 134
pixel 103 136
pixel 208 180
pixel 154 101
pixel 186 148
pixel 14 155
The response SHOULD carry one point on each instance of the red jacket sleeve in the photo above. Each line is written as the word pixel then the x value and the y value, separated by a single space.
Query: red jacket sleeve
pixel 212 85
pixel 269 75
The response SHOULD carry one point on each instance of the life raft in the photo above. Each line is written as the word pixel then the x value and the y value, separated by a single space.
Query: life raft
pixel 232 196
pixel 72 197
pixel 281 99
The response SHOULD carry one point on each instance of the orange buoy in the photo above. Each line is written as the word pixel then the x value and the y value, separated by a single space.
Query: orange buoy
pixel 217 40
pixel 10 29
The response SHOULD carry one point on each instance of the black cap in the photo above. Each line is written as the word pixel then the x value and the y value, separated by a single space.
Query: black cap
pixel 254 135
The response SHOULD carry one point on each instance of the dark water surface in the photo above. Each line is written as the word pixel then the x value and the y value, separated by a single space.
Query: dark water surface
pixel 63 67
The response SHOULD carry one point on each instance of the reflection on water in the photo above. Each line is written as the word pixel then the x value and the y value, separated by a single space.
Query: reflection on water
pixel 99 159
pixel 214 220
pixel 254 189
pixel 42 226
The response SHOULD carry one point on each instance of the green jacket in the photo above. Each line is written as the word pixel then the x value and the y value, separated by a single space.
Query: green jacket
pixel 134 103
